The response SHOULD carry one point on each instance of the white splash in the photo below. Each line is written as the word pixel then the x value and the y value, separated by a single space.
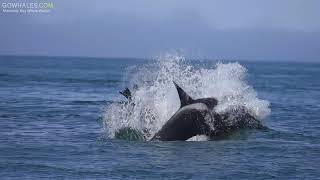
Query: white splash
pixel 155 98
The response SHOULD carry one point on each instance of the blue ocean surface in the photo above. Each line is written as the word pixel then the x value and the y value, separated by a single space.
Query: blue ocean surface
pixel 52 125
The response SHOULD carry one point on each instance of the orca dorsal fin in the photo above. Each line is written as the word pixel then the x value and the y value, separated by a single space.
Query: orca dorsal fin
pixel 185 99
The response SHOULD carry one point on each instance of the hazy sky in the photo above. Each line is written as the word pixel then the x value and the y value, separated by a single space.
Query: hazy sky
pixel 219 29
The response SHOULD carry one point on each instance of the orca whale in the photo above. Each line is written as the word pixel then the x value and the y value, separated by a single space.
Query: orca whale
pixel 189 120
pixel 198 117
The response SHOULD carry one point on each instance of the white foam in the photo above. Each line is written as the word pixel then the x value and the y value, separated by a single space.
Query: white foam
pixel 156 98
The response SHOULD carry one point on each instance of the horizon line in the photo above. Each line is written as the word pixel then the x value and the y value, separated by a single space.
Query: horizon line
pixel 155 57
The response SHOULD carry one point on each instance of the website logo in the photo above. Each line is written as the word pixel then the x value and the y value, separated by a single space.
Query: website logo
pixel 27 7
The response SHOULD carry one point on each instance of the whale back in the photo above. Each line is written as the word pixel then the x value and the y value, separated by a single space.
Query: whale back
pixel 187 122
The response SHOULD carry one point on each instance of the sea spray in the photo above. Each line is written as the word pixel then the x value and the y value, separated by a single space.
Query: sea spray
pixel 155 100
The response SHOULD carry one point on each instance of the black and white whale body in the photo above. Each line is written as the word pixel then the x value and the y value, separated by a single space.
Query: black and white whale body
pixel 198 117
pixel 189 120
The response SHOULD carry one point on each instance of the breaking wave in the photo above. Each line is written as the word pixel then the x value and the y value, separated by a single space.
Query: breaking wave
pixel 155 100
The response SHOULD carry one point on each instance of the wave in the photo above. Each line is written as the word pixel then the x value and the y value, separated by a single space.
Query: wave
pixel 155 98
pixel 54 79
pixel 4 74
pixel 94 81
pixel 87 102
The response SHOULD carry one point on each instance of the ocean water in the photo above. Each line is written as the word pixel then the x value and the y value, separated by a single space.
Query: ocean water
pixel 58 117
